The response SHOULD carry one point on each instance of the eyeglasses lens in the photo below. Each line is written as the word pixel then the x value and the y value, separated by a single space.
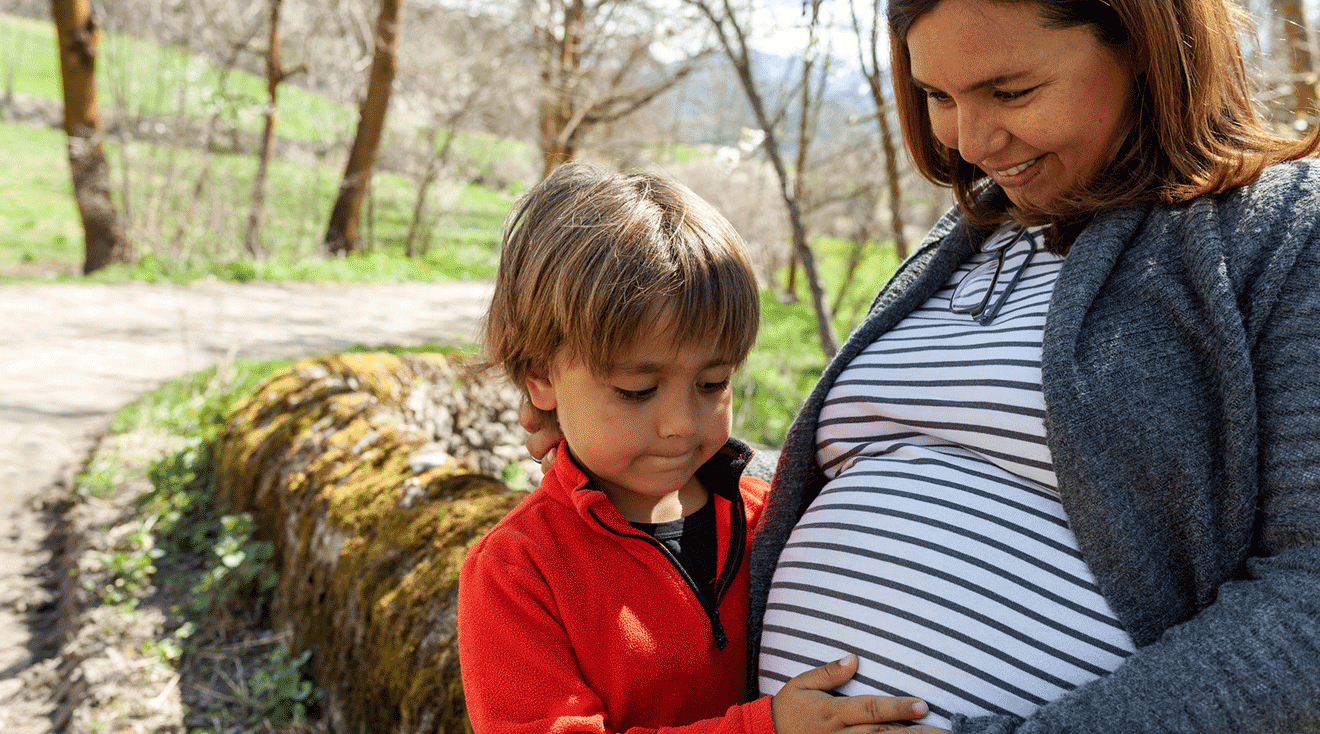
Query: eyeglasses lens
pixel 972 294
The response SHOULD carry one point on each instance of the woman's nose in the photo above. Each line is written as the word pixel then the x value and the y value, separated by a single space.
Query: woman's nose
pixel 980 135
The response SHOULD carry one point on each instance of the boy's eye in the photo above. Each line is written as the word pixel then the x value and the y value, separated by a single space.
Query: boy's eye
pixel 714 387
pixel 634 396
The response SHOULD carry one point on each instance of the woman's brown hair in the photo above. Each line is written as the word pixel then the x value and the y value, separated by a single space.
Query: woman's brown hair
pixel 1195 129
pixel 592 257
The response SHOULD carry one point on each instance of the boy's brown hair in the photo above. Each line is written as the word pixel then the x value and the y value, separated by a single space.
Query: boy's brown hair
pixel 590 257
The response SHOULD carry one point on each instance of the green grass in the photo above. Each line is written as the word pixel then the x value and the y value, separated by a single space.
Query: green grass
pixel 38 217
pixel 143 78
pixel 183 231
pixel 879 261
pixel 787 359
pixel 40 221
pixel 30 64
pixel 196 404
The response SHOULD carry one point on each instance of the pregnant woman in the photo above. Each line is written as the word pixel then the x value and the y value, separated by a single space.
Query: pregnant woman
pixel 1066 476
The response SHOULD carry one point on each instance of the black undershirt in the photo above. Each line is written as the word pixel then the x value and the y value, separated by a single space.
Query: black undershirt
pixel 692 540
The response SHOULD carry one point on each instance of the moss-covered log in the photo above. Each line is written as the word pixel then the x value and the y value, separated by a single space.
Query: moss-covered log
pixel 346 462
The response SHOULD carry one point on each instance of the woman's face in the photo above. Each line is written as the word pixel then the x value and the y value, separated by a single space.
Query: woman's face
pixel 1038 109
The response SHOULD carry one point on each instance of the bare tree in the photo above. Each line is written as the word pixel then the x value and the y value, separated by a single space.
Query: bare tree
pixel 78 37
pixel 732 35
pixel 275 75
pixel 445 82
pixel 810 90
pixel 435 163
pixel 341 235
pixel 228 64
pixel 869 57
pixel 1300 64
pixel 596 66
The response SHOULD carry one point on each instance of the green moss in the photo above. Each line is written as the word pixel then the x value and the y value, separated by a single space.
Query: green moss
pixel 319 454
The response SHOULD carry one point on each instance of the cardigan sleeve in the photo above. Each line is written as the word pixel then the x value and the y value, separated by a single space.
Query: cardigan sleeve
pixel 520 671
pixel 1249 660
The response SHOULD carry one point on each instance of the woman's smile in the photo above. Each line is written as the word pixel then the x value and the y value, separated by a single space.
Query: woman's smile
pixel 1041 110
pixel 1015 170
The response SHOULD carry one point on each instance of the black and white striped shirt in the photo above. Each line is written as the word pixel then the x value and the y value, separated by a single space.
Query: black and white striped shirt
pixel 939 551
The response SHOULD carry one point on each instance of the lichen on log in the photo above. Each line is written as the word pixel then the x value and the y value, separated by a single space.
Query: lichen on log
pixel 348 465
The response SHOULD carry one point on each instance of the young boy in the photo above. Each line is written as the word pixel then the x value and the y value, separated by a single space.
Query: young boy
pixel 614 598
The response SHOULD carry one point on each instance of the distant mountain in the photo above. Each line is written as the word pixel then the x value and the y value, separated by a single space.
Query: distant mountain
pixel 714 107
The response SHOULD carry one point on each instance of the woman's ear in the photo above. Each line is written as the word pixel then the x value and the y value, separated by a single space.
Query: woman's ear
pixel 542 392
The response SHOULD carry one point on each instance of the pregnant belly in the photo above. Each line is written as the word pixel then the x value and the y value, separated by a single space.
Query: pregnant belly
pixel 975 611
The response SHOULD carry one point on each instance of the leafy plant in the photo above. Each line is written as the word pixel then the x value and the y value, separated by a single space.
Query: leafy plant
pixel 238 566
pixel 169 650
pixel 99 477
pixel 280 692
pixel 132 565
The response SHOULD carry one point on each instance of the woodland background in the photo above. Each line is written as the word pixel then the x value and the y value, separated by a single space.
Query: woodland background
pixel 385 140
pixel 284 139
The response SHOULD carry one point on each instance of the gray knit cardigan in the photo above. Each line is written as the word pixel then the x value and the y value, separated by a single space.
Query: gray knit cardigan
pixel 1181 373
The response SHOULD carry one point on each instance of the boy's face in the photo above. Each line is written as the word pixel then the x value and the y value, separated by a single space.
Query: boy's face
pixel 641 432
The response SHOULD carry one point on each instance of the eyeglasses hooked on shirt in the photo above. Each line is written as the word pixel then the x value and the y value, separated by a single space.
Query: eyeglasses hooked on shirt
pixel 977 295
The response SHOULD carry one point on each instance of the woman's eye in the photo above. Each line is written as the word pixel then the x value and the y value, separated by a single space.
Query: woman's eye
pixel 634 396
pixel 938 98
pixel 1009 96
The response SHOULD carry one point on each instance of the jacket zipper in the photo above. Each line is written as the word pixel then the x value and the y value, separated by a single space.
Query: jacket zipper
pixel 722 582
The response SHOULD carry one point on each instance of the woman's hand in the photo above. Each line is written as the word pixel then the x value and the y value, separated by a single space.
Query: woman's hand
pixel 803 706
pixel 542 439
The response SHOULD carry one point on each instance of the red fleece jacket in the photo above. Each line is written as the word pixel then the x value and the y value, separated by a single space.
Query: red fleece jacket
pixel 570 620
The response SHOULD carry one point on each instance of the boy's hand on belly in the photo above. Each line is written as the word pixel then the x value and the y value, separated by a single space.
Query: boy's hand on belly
pixel 804 705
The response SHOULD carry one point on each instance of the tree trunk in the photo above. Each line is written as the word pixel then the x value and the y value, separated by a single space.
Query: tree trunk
pixel 1299 57
pixel 562 68
pixel 275 74
pixel 556 147
pixel 736 50
pixel 341 235
pixel 78 36
pixel 872 68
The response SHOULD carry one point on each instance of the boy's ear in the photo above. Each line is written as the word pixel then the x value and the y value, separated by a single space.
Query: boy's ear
pixel 542 392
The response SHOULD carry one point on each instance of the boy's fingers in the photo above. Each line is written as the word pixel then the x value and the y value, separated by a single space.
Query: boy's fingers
pixel 527 417
pixel 888 729
pixel 863 710
pixel 539 444
pixel 826 677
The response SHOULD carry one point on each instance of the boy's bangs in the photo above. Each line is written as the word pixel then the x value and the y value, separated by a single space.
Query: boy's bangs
pixel 723 307
pixel 720 304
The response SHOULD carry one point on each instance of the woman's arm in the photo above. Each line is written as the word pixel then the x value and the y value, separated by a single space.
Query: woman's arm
pixel 1249 660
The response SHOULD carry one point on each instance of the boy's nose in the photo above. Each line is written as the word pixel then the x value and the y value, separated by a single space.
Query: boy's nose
pixel 679 417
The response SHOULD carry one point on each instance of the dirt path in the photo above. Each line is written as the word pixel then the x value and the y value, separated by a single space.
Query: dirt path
pixel 70 355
